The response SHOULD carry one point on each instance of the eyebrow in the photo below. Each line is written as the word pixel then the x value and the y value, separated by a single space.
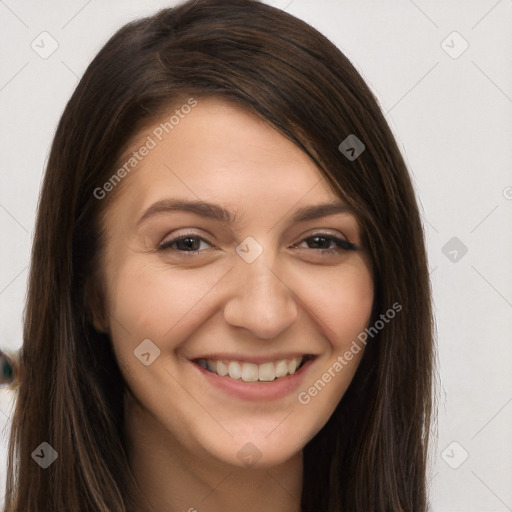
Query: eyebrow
pixel 219 213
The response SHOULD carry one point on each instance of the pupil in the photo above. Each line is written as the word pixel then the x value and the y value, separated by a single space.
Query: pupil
pixel 316 238
pixel 189 243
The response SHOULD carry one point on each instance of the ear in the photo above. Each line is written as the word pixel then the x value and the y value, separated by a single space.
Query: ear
pixel 95 305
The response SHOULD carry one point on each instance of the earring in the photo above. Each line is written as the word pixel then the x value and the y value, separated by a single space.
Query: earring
pixel 9 368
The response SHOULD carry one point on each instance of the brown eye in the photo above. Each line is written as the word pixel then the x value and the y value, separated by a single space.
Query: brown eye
pixel 325 239
pixel 188 243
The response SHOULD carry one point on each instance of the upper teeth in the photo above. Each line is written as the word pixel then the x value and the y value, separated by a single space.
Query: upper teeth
pixel 250 372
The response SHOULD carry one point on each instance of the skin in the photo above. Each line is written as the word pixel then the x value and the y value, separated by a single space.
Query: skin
pixel 183 434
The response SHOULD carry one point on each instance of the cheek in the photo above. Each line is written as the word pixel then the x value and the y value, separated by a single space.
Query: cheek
pixel 138 300
pixel 344 307
pixel 153 300
pixel 344 302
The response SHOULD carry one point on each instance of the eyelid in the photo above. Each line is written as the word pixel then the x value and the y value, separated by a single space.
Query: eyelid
pixel 328 232
pixel 320 232
pixel 350 246
pixel 181 236
pixel 324 232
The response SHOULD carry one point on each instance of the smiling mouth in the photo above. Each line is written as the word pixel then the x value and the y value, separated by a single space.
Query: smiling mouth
pixel 251 372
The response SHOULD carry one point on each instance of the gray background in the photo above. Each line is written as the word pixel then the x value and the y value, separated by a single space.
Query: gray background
pixel 451 114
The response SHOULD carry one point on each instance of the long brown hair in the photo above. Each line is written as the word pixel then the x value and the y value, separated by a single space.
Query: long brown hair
pixel 372 453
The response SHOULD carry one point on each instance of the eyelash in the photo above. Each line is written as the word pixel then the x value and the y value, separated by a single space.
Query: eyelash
pixel 342 245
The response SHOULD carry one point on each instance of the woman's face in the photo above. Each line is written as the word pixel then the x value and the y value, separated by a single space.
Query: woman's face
pixel 253 295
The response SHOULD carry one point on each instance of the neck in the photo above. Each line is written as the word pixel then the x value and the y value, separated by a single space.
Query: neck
pixel 175 480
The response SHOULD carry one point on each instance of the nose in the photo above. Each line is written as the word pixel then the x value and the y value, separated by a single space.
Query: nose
pixel 261 301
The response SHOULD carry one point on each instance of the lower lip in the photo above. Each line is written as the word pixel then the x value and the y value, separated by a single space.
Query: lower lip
pixel 257 391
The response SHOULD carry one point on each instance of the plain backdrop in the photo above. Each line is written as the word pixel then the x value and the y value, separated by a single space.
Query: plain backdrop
pixel 442 73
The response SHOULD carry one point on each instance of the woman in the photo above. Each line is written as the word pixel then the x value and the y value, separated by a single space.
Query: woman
pixel 187 343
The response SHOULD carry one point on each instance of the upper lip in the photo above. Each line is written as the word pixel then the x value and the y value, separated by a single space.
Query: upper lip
pixel 253 359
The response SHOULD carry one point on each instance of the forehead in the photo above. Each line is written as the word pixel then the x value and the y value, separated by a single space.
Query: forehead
pixel 220 152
